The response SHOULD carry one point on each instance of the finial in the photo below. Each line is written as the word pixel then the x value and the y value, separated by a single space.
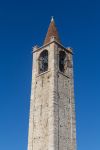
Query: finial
pixel 69 49
pixel 35 47
pixel 52 18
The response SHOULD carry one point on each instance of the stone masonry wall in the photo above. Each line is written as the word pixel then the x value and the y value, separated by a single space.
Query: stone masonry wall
pixel 52 110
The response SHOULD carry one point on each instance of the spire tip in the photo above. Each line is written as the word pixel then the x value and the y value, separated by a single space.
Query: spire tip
pixel 52 18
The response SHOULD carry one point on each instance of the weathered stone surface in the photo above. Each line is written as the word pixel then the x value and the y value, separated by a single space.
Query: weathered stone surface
pixel 52 112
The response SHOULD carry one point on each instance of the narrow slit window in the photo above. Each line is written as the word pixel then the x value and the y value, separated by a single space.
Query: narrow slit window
pixel 62 61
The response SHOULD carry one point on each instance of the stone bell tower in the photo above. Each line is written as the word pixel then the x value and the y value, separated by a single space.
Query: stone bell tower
pixel 52 112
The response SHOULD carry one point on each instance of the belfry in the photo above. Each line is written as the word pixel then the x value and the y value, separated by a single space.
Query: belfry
pixel 52 124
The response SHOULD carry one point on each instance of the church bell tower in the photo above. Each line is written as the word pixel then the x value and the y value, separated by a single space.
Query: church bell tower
pixel 52 109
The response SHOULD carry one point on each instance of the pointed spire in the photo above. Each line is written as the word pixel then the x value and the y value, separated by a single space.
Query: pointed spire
pixel 52 32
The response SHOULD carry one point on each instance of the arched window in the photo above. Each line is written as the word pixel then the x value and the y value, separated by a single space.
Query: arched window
pixel 43 61
pixel 62 61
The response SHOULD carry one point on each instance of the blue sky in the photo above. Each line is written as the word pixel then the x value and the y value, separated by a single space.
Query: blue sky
pixel 24 24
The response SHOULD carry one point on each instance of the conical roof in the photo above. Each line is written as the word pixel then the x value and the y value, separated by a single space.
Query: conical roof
pixel 52 32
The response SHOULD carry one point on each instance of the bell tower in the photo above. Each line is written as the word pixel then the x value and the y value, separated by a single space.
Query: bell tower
pixel 52 109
